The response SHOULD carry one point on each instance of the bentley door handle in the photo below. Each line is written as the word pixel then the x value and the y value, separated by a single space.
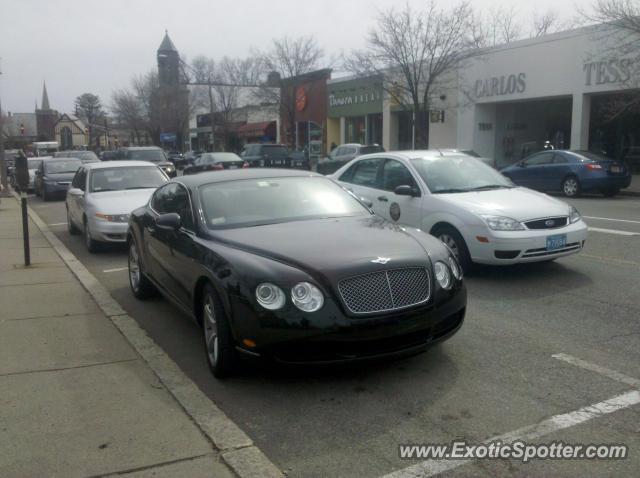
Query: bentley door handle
pixel 383 198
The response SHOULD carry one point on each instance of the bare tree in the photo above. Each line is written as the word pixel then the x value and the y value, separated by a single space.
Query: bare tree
pixel 204 72
pixel 287 58
pixel 544 23
pixel 128 111
pixel 415 53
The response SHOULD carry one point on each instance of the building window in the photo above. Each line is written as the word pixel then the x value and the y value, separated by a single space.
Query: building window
pixel 66 138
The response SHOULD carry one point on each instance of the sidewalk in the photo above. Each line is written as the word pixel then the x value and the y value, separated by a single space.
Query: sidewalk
pixel 76 398
pixel 634 187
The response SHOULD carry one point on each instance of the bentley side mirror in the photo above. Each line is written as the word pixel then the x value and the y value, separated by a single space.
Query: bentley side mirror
pixel 406 190
pixel 76 192
pixel 170 220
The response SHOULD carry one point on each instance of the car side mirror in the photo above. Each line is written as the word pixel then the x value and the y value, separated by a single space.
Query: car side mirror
pixel 170 220
pixel 76 192
pixel 522 164
pixel 406 190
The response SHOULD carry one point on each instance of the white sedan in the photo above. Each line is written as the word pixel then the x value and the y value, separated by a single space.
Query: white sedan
pixel 103 194
pixel 481 215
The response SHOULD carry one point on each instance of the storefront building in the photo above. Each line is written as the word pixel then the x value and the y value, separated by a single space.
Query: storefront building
pixel 564 89
pixel 354 111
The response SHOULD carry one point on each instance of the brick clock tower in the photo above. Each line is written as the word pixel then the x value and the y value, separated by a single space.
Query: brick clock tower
pixel 172 98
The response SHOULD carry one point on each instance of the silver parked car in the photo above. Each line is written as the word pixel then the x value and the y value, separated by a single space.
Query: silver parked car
pixel 103 194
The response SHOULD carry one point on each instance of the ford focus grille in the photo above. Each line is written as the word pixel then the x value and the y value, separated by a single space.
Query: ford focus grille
pixel 385 291
pixel 548 223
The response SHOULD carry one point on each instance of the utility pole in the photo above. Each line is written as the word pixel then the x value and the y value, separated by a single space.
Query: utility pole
pixel 4 190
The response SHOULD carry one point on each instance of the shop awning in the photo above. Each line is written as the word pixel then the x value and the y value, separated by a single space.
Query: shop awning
pixel 257 130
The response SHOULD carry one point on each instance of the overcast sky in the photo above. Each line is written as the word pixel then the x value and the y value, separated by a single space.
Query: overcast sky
pixel 98 46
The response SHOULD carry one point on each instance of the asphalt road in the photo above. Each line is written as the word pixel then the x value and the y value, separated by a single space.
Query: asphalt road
pixel 497 375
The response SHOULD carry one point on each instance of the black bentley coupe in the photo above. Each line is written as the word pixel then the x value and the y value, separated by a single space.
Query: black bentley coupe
pixel 289 266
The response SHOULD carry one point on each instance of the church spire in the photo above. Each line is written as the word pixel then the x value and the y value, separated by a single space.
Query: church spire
pixel 45 97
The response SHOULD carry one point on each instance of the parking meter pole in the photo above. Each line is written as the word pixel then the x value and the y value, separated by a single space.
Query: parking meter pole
pixel 25 229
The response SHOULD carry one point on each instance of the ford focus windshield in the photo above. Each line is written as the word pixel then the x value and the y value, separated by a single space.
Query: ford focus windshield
pixel 254 202
pixel 458 174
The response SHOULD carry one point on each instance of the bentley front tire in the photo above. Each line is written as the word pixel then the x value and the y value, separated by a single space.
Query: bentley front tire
pixel 141 286
pixel 218 340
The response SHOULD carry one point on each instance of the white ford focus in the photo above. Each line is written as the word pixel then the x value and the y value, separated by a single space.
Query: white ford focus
pixel 481 215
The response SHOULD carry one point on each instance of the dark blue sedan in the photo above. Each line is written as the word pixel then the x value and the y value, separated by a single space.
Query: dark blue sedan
pixel 571 172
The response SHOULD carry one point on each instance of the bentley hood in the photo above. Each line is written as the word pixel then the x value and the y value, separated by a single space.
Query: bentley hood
pixel 339 247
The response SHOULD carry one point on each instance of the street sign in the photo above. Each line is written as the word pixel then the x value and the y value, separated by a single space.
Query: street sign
pixel 168 137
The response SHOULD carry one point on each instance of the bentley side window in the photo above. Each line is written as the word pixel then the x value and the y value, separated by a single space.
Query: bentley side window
pixel 366 173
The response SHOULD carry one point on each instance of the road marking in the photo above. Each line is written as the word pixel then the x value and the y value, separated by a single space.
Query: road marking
pixel 58 224
pixel 545 427
pixel 611 219
pixel 614 231
pixel 610 260
pixel 612 374
pixel 119 269
pixel 528 433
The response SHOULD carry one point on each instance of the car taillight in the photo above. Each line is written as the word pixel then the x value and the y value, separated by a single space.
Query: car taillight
pixel 245 165
pixel 593 166
pixel 217 167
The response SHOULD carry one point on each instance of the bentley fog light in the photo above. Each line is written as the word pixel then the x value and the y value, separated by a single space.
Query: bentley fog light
pixel 501 223
pixel 455 268
pixel 574 215
pixel 443 276
pixel 270 296
pixel 307 297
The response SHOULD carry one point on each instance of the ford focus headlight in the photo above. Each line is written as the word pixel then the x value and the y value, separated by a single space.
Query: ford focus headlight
pixel 502 223
pixel 307 297
pixel 270 296
pixel 443 276
pixel 574 215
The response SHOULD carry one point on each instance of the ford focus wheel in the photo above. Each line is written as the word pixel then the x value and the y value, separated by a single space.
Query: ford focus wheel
pixel 218 341
pixel 454 240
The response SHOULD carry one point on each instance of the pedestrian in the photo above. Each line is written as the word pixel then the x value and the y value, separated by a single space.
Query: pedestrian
pixel 333 146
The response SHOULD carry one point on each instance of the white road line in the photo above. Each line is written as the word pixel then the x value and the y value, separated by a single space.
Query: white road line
pixel 614 231
pixel 58 224
pixel 119 269
pixel 611 219
pixel 528 433
pixel 612 374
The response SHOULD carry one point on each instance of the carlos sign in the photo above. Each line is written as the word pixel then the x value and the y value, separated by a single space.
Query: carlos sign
pixel 501 85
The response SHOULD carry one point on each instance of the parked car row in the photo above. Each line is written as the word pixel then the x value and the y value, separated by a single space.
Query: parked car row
pixel 243 249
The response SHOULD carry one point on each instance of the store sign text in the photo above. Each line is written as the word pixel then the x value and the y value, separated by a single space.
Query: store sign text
pixel 503 85
pixel 607 72
pixel 348 100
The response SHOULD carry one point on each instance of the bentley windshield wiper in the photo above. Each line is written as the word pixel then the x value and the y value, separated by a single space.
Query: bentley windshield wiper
pixel 490 186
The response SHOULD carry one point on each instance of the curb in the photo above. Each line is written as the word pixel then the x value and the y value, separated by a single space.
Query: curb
pixel 236 448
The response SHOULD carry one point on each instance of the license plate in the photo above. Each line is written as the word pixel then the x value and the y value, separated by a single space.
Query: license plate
pixel 233 166
pixel 556 242
pixel 616 169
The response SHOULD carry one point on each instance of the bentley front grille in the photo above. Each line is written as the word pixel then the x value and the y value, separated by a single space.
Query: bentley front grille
pixel 386 291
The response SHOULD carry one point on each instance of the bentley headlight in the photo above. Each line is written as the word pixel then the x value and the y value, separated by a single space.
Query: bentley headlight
pixel 455 268
pixel 574 215
pixel 443 276
pixel 501 223
pixel 270 296
pixel 113 217
pixel 307 297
